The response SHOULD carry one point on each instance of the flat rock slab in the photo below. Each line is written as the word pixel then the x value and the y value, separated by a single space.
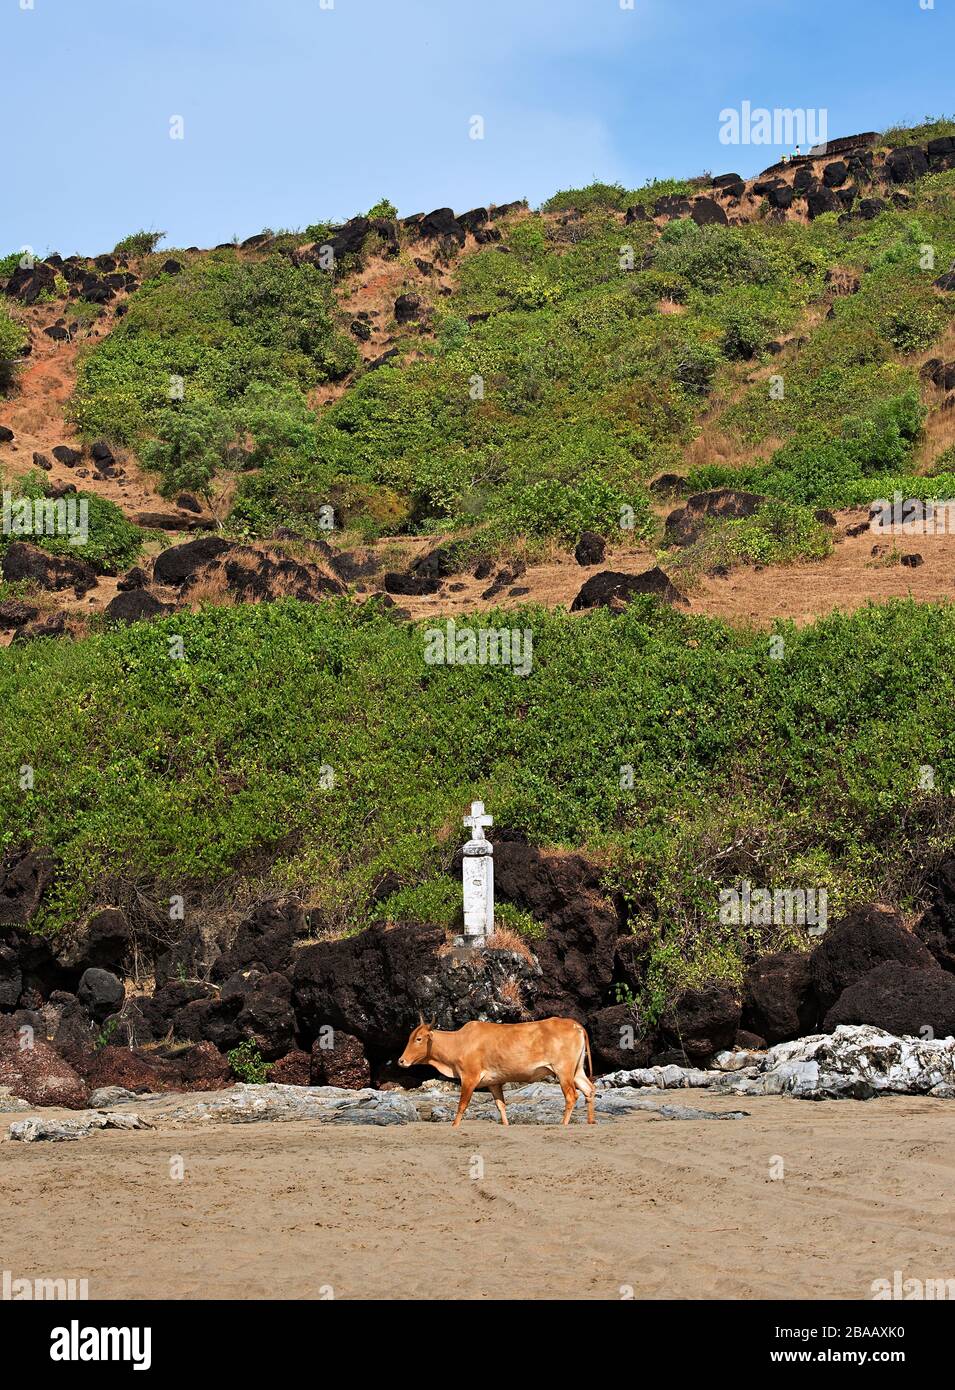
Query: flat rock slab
pixel 56 1131
pixel 536 1104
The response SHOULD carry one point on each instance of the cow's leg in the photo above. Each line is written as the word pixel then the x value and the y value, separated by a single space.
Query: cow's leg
pixel 498 1093
pixel 570 1098
pixel 468 1084
pixel 586 1088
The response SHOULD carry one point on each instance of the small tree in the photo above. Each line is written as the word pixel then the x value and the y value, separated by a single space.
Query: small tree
pixel 196 442
pixel 140 243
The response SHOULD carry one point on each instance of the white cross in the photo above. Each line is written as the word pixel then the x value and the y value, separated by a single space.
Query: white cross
pixel 477 820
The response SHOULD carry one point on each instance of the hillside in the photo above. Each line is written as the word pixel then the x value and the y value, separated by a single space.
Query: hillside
pixel 296 463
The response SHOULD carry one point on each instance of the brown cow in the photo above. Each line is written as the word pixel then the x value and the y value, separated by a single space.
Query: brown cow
pixel 488 1054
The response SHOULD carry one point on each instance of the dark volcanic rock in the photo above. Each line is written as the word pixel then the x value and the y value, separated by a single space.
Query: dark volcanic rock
pixel 28 563
pixel 410 584
pixel 442 223
pixel 135 605
pixel 338 1059
pixel 906 165
pixel 835 174
pixel 936 930
pixel 102 942
pixel 707 212
pixel 618 1039
pixel 264 940
pixel 822 200
pixel 577 953
pixel 25 875
pixel 778 1002
pixel 702 1021
pixel 27 283
pixel 374 985
pixel 100 992
pixel 904 1001
pixel 408 308
pixel 687 523
pixel 35 1072
pixel 367 984
pixel 181 562
pixel 590 549
pixel 15 614
pixel 867 937
pixel 609 589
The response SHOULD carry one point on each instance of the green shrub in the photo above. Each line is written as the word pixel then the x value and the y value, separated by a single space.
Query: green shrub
pixel 114 542
pixel 247 1064
pixel 196 441
pixel 138 244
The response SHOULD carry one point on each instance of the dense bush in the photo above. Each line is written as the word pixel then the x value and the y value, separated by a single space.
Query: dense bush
pixel 222 326
pixel 138 243
pixel 175 775
pixel 114 543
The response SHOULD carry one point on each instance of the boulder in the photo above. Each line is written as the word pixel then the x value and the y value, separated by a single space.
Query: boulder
pixel 28 564
pixel 266 1016
pixel 375 984
pixel 135 578
pixel 264 940
pixel 590 549
pixel 702 1021
pixel 103 942
pixel 135 605
pixel 338 1059
pixel 835 174
pixel 576 955
pixel 612 590
pixel 198 1068
pixel 32 1070
pixel 442 223
pixel 822 200
pixel 27 283
pixel 180 563
pixel 904 1001
pixel 867 937
pixel 907 164
pixel 618 1038
pixel 294 1069
pixel 25 875
pixel 707 212
pixel 14 614
pixel 408 308
pixel 936 929
pixel 67 456
pixel 687 523
pixel 778 1001
pixel 100 992
pixel 413 585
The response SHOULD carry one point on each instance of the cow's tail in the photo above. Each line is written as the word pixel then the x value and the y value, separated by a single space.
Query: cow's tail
pixel 590 1060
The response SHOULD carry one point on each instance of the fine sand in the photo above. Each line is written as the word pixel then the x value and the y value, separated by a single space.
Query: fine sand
pixel 669 1209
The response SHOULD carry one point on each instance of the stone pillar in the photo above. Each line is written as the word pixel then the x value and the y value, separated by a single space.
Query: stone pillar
pixel 478 879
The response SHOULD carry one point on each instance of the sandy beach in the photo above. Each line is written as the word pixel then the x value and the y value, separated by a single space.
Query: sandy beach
pixel 667 1209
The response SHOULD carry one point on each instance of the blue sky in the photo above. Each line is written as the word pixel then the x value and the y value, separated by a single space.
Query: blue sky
pixel 293 112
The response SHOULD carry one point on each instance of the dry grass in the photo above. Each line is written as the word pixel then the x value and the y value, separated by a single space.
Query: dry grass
pixel 504 939
pixel 211 589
